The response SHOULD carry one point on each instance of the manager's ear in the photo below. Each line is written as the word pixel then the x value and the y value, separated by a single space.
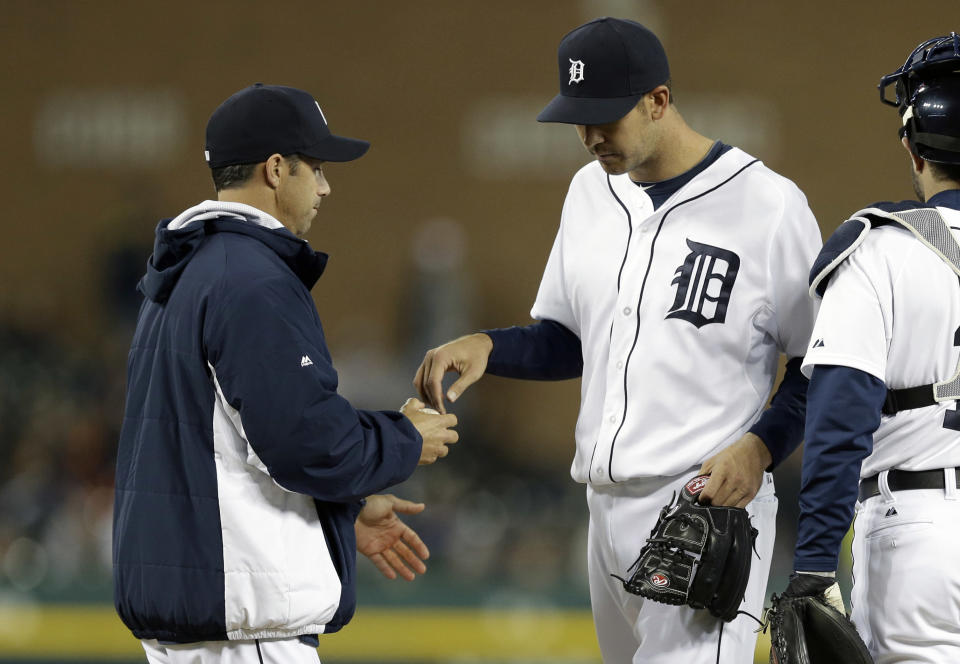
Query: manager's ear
pixel 273 169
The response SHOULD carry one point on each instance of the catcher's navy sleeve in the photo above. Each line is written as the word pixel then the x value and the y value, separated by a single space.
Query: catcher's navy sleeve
pixel 780 427
pixel 843 411
pixel 542 351
pixel 269 357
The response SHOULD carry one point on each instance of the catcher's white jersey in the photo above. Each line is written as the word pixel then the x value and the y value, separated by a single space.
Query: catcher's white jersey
pixel 681 312
pixel 892 309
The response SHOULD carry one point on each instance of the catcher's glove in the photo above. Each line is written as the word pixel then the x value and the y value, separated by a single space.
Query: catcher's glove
pixel 696 554
pixel 806 627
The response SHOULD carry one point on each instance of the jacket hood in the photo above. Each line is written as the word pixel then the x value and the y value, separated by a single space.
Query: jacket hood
pixel 179 238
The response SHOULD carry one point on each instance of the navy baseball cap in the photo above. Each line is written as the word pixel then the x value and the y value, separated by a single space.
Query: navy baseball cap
pixel 606 66
pixel 265 119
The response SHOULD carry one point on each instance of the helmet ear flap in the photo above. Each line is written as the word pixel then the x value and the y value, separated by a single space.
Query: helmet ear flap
pixel 909 129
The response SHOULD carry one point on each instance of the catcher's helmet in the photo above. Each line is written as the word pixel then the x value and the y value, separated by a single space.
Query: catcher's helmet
pixel 928 97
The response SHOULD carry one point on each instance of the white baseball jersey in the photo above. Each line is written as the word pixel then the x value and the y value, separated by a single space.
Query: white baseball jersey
pixel 681 312
pixel 892 309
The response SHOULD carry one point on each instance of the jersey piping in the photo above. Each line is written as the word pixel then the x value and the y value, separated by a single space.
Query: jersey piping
pixel 643 285
pixel 626 253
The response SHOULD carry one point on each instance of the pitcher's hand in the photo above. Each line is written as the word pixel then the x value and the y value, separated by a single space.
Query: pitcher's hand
pixel 467 356
pixel 736 473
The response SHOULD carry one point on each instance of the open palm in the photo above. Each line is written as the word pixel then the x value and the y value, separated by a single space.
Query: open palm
pixel 392 546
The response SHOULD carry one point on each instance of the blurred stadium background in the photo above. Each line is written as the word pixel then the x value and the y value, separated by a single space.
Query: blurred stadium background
pixel 442 229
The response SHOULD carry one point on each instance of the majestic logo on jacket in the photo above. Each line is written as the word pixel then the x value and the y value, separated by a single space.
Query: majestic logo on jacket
pixel 704 283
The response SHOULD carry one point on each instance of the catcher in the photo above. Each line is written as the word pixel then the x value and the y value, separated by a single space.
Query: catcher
pixel 882 401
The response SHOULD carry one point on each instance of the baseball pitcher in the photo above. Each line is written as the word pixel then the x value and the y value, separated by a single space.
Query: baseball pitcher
pixel 676 281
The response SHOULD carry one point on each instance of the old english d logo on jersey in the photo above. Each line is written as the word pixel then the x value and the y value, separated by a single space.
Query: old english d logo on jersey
pixel 704 283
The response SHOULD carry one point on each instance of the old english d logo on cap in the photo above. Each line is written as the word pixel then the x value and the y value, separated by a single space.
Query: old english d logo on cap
pixel 625 59
pixel 576 71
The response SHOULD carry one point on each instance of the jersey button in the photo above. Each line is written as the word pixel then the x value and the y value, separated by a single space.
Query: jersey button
pixel 627 311
pixel 613 418
pixel 619 365
pixel 600 472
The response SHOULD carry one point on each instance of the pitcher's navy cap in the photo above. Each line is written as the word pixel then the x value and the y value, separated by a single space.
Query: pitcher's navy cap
pixel 606 66
pixel 263 119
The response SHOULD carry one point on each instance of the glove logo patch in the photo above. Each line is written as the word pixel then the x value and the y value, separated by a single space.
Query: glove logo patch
pixel 660 580
pixel 696 485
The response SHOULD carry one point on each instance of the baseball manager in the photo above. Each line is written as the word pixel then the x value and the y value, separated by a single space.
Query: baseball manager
pixel 241 472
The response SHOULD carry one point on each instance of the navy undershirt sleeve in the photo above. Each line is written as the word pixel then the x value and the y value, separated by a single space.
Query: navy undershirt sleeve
pixel 542 351
pixel 843 411
pixel 780 427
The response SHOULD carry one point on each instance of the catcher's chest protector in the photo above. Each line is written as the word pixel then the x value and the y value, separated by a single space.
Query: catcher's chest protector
pixel 932 230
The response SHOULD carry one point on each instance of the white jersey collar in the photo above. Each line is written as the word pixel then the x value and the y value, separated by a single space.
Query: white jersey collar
pixel 726 165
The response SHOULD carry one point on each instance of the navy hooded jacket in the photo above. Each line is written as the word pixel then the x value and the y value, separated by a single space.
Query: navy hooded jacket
pixel 240 469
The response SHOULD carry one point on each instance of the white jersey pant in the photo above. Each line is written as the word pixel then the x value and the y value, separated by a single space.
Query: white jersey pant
pixel 906 575
pixel 633 629
pixel 261 651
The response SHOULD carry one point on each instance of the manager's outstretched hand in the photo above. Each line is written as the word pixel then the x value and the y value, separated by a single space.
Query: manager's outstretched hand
pixel 387 541
pixel 467 356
